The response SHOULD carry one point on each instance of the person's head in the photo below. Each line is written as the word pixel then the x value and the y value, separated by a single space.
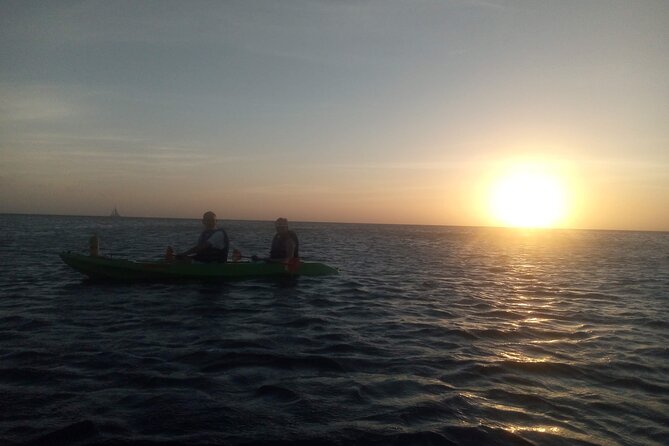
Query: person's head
pixel 281 224
pixel 209 220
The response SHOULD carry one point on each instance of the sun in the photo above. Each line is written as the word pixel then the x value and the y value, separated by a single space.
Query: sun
pixel 528 196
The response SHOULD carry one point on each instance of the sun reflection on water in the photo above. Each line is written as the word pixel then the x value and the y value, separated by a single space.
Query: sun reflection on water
pixel 540 429
pixel 513 428
pixel 519 357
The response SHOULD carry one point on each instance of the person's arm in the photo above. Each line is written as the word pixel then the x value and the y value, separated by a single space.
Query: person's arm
pixel 194 250
pixel 217 240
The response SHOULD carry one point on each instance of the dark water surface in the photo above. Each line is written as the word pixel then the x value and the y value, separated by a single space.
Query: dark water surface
pixel 429 335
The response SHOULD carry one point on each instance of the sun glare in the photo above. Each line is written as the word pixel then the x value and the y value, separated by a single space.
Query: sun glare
pixel 527 196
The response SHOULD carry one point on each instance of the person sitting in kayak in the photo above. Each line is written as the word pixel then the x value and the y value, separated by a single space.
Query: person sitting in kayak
pixel 213 244
pixel 285 245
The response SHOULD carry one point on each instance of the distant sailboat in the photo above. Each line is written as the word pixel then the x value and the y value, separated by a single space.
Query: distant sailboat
pixel 115 213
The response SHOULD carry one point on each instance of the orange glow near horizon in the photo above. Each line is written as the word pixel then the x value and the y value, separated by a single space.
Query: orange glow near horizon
pixel 528 196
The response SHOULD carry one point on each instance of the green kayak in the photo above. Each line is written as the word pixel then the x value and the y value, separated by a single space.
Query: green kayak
pixel 128 270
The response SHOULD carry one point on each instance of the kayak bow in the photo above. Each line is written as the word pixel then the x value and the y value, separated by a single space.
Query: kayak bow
pixel 128 270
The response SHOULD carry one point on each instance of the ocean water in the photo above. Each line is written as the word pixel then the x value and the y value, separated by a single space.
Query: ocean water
pixel 429 335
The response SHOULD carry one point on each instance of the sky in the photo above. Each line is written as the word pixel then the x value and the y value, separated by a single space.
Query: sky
pixel 371 111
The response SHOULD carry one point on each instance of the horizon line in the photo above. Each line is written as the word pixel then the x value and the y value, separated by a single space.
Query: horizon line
pixel 350 223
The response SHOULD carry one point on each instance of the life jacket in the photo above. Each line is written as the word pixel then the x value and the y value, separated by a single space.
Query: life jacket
pixel 211 254
pixel 278 250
